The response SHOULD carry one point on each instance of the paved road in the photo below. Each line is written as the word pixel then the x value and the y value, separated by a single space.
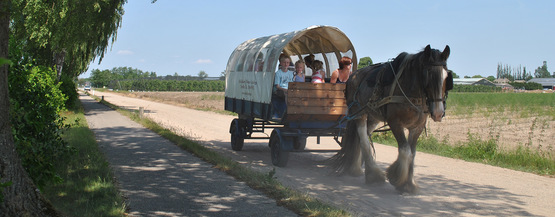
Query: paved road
pixel 448 187
pixel 160 179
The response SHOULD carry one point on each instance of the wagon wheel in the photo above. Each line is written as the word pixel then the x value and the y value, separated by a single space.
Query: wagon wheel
pixel 237 139
pixel 300 143
pixel 279 156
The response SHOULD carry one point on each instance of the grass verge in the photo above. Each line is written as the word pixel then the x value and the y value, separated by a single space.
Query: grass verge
pixel 482 151
pixel 295 201
pixel 87 188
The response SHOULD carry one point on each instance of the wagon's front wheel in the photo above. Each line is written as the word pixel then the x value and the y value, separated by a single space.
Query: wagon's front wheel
pixel 279 156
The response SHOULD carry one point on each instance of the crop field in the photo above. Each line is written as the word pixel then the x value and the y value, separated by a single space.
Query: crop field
pixel 510 119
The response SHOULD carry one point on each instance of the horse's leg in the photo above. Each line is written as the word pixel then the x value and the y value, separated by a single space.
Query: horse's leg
pixel 398 172
pixel 355 168
pixel 411 185
pixel 373 173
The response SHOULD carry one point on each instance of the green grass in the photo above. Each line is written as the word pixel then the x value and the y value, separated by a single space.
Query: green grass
pixel 87 188
pixel 295 201
pixel 525 104
pixel 482 151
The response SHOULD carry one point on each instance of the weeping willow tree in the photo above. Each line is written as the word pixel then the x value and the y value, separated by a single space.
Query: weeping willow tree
pixel 66 34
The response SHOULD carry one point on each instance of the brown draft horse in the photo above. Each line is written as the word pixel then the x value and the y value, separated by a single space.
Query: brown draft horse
pixel 400 93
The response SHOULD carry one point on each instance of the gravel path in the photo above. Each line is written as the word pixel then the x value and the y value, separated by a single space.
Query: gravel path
pixel 449 187
pixel 160 179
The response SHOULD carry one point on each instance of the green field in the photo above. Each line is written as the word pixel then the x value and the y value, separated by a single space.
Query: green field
pixel 524 104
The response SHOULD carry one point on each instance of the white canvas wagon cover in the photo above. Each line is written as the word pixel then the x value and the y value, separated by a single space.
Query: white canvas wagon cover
pixel 251 67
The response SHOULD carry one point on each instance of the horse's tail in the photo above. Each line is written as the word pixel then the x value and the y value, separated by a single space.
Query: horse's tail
pixel 348 159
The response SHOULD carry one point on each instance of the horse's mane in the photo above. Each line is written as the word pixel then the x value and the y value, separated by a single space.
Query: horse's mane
pixel 402 61
pixel 388 75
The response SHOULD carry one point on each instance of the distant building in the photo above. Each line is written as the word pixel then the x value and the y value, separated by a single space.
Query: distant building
pixel 472 81
pixel 501 81
pixel 548 83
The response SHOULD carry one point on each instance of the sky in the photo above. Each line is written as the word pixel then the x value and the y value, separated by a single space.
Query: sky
pixel 186 37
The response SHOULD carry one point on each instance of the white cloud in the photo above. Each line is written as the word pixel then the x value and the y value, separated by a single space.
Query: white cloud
pixel 125 52
pixel 203 61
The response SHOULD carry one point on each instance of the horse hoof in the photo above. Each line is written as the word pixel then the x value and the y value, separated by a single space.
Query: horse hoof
pixel 409 188
pixel 374 176
pixel 370 180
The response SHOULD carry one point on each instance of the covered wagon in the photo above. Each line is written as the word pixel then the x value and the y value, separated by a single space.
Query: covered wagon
pixel 312 109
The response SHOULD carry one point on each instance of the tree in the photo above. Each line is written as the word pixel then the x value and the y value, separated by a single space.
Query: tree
pixel 101 78
pixel 222 75
pixel 491 78
pixel 65 33
pixel 477 76
pixel 454 74
pixel 20 197
pixel 541 72
pixel 202 75
pixel 365 61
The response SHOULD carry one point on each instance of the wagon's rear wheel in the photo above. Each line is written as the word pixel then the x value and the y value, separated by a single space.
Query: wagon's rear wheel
pixel 300 143
pixel 237 135
pixel 279 156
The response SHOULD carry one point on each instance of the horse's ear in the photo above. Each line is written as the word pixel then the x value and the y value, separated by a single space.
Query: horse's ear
pixel 445 53
pixel 428 51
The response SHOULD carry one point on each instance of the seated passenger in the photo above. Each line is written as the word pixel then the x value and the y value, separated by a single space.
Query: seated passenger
pixel 283 77
pixel 342 74
pixel 318 75
pixel 281 83
pixel 299 69
pixel 308 60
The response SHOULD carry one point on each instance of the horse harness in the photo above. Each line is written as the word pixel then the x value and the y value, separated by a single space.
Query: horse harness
pixel 377 102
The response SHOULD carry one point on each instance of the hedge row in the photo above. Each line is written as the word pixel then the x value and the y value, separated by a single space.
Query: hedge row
pixel 527 85
pixel 475 88
pixel 168 85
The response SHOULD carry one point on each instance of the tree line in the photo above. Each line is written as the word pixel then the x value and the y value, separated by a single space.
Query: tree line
pixel 127 78
pixel 520 72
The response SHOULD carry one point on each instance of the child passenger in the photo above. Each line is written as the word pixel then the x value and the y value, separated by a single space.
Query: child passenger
pixel 283 77
pixel 318 75
pixel 299 71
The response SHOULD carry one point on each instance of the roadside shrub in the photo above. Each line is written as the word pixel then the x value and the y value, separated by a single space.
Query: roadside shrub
pixel 477 148
pixel 36 102
pixel 68 88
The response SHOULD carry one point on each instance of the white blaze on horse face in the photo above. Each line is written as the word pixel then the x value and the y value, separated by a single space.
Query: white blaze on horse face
pixel 437 106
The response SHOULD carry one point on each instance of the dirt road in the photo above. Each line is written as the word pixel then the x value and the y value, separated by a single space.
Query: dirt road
pixel 449 187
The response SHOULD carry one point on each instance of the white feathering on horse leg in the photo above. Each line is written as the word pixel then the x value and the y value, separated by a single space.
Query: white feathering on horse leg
pixel 398 172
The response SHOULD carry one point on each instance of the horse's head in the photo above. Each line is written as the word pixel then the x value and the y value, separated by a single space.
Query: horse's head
pixel 438 80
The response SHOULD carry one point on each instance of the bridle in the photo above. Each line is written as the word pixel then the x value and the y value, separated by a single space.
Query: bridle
pixel 443 99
